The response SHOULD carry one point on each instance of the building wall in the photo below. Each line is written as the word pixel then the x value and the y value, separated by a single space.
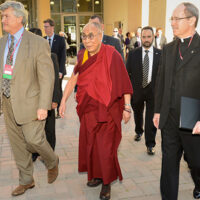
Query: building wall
pixel 157 13
pixel 43 12
pixel 134 15
pixel 129 13
pixel 114 11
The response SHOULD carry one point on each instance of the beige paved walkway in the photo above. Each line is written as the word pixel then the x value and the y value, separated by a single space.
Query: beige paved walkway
pixel 141 172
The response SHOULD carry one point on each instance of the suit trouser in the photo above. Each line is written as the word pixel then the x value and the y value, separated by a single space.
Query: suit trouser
pixel 26 139
pixel 174 142
pixel 60 88
pixel 145 96
pixel 50 128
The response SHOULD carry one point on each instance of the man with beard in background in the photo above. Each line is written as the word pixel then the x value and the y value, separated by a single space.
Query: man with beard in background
pixel 142 66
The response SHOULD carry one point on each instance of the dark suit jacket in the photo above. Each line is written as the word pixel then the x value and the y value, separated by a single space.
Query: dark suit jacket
pixel 111 41
pixel 56 91
pixel 187 76
pixel 134 68
pixel 59 48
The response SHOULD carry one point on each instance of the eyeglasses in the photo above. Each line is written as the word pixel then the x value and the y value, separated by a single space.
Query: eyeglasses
pixel 90 36
pixel 176 19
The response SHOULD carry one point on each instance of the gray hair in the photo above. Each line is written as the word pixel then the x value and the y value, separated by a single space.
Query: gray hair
pixel 96 25
pixel 191 10
pixel 19 10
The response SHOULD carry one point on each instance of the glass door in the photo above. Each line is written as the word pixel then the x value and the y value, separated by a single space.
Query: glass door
pixel 83 20
pixel 73 25
pixel 70 28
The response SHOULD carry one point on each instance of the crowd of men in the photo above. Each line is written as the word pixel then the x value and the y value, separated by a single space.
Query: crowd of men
pixel 155 78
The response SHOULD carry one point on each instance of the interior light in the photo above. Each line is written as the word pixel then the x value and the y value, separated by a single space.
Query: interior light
pixel 87 0
pixel 78 5
pixel 52 2
pixel 97 2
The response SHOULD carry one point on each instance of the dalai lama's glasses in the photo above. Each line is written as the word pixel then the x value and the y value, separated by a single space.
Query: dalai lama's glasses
pixel 90 36
pixel 177 19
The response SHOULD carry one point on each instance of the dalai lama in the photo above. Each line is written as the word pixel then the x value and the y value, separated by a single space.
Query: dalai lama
pixel 103 96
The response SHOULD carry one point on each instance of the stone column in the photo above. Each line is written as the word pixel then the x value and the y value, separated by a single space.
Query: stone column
pixel 43 12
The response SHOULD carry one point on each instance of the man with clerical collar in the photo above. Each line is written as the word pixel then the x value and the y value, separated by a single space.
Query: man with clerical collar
pixel 26 82
pixel 103 97
pixel 178 76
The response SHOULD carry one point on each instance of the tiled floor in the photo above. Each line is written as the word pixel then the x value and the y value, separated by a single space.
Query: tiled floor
pixel 141 172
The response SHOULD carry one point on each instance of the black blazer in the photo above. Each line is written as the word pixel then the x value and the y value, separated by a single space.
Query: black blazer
pixel 113 42
pixel 187 76
pixel 56 91
pixel 59 48
pixel 134 68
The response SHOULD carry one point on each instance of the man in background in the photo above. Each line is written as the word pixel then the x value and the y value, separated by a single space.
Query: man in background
pixel 50 125
pixel 58 46
pixel 136 40
pixel 142 66
pixel 160 39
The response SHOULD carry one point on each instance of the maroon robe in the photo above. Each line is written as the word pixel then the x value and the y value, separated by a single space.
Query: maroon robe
pixel 102 83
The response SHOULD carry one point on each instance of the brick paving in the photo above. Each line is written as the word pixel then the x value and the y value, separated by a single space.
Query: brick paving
pixel 141 172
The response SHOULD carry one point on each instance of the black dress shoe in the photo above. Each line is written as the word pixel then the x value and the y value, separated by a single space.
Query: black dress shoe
pixel 58 116
pixel 105 192
pixel 196 194
pixel 150 151
pixel 137 137
pixel 94 182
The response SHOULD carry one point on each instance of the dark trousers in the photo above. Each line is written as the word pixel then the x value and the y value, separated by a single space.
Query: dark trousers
pixel 174 142
pixel 50 127
pixel 145 96
pixel 60 88
pixel 50 130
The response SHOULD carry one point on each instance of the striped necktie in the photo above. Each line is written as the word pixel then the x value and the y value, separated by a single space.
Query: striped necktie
pixel 50 42
pixel 145 69
pixel 9 61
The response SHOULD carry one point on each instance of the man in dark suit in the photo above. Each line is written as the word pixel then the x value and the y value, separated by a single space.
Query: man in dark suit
pixel 178 76
pixel 50 125
pixel 58 47
pixel 142 66
pixel 108 39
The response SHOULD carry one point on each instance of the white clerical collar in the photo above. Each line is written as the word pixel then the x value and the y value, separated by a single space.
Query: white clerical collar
pixel 182 39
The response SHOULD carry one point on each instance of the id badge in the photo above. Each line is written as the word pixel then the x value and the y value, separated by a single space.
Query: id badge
pixel 8 71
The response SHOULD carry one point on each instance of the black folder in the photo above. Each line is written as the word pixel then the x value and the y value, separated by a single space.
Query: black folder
pixel 190 113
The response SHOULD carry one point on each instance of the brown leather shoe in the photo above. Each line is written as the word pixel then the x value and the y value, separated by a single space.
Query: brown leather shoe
pixel 53 173
pixel 105 192
pixel 94 182
pixel 22 188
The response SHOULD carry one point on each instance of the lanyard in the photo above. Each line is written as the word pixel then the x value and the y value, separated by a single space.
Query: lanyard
pixel 181 57
pixel 15 46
